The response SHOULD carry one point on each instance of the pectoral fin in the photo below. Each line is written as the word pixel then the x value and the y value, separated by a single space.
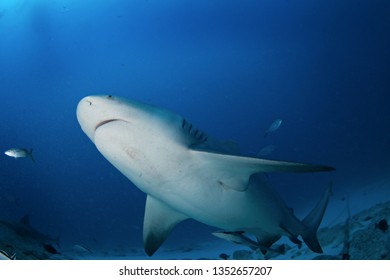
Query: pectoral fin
pixel 234 171
pixel 159 220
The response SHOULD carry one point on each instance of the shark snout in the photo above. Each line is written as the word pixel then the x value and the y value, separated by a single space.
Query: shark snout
pixel 90 113
pixel 95 111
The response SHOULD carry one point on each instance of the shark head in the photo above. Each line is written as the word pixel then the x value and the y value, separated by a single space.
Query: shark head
pixel 185 174
pixel 94 112
pixel 127 132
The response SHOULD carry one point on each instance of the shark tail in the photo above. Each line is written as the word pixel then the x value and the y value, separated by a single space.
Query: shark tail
pixel 313 220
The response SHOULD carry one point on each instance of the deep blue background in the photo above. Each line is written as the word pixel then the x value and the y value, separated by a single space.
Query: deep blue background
pixel 230 67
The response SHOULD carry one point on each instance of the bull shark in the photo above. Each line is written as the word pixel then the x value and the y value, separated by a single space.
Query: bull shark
pixel 186 174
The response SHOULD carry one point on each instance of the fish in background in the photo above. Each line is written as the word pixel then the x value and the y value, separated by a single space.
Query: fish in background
pixel 81 249
pixel 20 153
pixel 273 127
pixel 238 237
pixel 5 256
pixel 24 230
pixel 267 150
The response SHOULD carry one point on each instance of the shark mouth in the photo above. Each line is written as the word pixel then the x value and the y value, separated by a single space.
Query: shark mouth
pixel 105 122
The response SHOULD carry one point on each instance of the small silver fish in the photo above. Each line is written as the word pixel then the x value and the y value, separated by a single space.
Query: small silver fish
pixel 238 237
pixel 19 153
pixel 273 127
pixel 81 249
pixel 267 150
pixel 5 256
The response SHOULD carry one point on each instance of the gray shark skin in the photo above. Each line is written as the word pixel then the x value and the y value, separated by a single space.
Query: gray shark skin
pixel 185 174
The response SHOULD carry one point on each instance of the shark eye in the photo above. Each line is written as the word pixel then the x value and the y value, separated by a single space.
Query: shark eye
pixel 110 97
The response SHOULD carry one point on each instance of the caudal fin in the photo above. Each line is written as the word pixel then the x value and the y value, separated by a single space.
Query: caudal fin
pixel 313 220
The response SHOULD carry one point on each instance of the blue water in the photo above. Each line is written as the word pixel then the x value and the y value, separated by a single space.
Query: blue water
pixel 230 67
